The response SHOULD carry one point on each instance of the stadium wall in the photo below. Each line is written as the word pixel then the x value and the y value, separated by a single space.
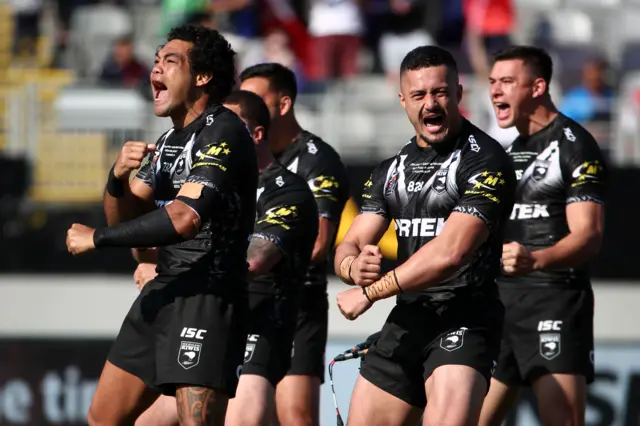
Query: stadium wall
pixel 55 332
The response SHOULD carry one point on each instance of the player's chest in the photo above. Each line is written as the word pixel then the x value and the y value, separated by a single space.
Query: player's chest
pixel 172 163
pixel 422 187
pixel 537 167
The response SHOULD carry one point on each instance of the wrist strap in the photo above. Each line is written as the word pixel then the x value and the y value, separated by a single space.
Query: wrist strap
pixel 115 186
pixel 345 270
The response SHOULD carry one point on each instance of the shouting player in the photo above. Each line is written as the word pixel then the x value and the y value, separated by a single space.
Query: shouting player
pixel 195 199
pixel 279 253
pixel 554 231
pixel 298 394
pixel 449 191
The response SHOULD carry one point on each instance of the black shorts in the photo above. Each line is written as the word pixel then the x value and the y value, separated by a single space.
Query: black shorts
pixel 547 330
pixel 272 324
pixel 183 333
pixel 310 339
pixel 419 337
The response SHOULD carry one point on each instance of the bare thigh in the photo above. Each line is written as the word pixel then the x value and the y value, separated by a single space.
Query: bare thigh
pixel 298 401
pixel 371 406
pixel 454 396
pixel 200 406
pixel 497 403
pixel 253 404
pixel 163 412
pixel 562 399
pixel 119 398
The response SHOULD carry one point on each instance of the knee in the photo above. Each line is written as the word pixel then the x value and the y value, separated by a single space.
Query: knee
pixel 295 415
pixel 567 418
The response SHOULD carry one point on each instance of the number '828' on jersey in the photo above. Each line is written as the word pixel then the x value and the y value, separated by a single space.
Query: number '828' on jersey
pixel 420 187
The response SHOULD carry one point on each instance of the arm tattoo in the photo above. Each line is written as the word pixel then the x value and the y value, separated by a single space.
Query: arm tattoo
pixel 196 405
pixel 263 251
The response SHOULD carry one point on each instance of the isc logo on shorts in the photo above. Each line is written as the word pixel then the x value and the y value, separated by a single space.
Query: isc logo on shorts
pixel 189 354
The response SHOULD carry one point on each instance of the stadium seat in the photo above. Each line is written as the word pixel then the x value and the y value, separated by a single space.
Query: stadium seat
pixel 625 140
pixel 630 58
pixel 577 4
pixel 570 27
pixel 623 26
pixel 537 4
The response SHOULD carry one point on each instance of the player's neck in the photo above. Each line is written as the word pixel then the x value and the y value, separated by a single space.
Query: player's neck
pixel 190 113
pixel 265 159
pixel 542 115
pixel 285 134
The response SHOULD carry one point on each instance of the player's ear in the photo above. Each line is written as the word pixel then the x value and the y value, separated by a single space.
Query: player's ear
pixel 285 105
pixel 401 97
pixel 203 79
pixel 259 134
pixel 539 87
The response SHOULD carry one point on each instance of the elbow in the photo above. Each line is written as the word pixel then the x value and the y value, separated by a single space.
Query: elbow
pixel 185 220
pixel 451 260
pixel 593 244
pixel 257 267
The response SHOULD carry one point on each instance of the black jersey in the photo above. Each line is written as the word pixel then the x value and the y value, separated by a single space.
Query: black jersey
pixel 217 151
pixel 420 187
pixel 287 216
pixel 556 166
pixel 320 165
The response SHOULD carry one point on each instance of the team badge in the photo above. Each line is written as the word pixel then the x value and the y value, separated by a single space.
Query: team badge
pixel 248 351
pixel 440 181
pixel 189 354
pixel 549 346
pixel 454 340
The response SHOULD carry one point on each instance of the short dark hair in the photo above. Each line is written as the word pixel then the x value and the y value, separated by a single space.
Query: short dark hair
pixel 426 57
pixel 536 59
pixel 252 108
pixel 281 78
pixel 211 54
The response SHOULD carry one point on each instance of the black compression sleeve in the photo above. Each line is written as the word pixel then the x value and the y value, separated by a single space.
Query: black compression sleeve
pixel 115 186
pixel 151 230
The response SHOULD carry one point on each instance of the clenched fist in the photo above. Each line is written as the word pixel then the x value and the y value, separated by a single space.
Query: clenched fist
pixel 516 259
pixel 365 269
pixel 353 303
pixel 130 158
pixel 80 239
pixel 144 273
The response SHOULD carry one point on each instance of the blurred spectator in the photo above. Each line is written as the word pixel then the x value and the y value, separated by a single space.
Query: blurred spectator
pixel 178 12
pixel 489 24
pixel 592 100
pixel 27 25
pixel 122 68
pixel 591 103
pixel 336 28
pixel 404 30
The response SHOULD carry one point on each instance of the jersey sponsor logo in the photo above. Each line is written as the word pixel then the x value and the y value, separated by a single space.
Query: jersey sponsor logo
pixel 569 134
pixel 324 186
pixel 474 145
pixel 529 211
pixel 454 340
pixel 312 148
pixel 189 354
pixel 193 333
pixel 550 345
pixel 419 227
pixel 440 181
pixel 281 216
pixel 549 325
pixel 588 171
pixel 487 180
pixel 279 181
pixel 213 151
pixel 250 348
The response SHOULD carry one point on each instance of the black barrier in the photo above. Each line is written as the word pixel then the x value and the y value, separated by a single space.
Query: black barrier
pixel 36 241
pixel 49 382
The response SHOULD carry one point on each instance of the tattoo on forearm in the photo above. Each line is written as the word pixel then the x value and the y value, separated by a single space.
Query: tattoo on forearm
pixel 263 249
pixel 196 405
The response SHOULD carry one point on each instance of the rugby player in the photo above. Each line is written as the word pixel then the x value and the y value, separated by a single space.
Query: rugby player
pixel 279 253
pixel 194 197
pixel 555 229
pixel 450 191
pixel 298 394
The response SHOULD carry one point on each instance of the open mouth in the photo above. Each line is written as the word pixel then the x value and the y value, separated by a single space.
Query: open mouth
pixel 433 122
pixel 503 110
pixel 160 93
